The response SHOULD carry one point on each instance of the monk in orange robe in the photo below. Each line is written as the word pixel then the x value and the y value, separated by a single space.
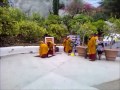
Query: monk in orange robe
pixel 92 48
pixel 50 46
pixel 68 47
pixel 43 50
pixel 96 38
pixel 64 43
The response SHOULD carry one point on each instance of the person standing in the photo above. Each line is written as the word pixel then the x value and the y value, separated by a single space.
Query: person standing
pixel 100 47
pixel 92 48
pixel 68 45
pixel 86 50
pixel 96 36
pixel 74 44
pixel 64 43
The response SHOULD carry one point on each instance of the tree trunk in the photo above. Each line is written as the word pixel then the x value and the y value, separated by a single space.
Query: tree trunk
pixel 83 40
pixel 55 7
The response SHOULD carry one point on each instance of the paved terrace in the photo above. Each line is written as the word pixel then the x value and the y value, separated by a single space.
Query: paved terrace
pixel 25 72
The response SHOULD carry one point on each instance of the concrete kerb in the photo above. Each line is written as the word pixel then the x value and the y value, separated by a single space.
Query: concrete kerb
pixel 5 51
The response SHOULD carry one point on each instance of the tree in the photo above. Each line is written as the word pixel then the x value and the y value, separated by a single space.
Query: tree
pixel 66 21
pixel 82 25
pixel 99 15
pixel 75 7
pixel 117 23
pixel 4 3
pixel 111 28
pixel 85 30
pixel 72 23
pixel 87 9
pixel 100 26
pixel 111 7
pixel 55 7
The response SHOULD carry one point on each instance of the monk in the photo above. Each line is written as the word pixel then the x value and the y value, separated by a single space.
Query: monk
pixel 92 48
pixel 43 50
pixel 96 38
pixel 50 46
pixel 64 43
pixel 68 47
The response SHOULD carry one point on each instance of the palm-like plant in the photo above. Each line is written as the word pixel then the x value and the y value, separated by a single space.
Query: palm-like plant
pixel 86 29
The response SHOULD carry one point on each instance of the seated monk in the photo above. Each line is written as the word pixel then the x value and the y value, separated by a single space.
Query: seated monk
pixel 50 46
pixel 43 50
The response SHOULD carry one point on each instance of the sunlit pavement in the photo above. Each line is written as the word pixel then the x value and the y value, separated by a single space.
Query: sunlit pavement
pixel 25 71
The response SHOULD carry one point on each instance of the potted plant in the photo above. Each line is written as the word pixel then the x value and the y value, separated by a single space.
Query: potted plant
pixel 112 27
pixel 82 25
pixel 85 30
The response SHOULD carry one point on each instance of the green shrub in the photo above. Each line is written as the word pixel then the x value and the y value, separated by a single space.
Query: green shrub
pixel 16 14
pixel 52 19
pixel 8 26
pixel 31 31
pixel 100 26
pixel 37 18
pixel 57 31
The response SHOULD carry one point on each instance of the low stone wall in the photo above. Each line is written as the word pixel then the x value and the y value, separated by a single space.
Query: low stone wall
pixel 4 51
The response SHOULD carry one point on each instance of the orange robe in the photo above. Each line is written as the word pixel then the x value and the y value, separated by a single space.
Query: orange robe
pixel 96 38
pixel 64 44
pixel 68 47
pixel 43 50
pixel 92 48
pixel 50 46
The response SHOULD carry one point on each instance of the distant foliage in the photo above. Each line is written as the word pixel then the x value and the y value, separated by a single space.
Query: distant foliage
pixel 75 7
pixel 17 27
pixel 111 7
pixel 52 19
pixel 55 27
pixel 36 18
pixel 16 14
pixel 8 26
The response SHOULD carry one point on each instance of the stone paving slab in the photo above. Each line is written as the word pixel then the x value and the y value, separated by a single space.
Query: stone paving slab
pixel 113 85
pixel 54 81
pixel 58 72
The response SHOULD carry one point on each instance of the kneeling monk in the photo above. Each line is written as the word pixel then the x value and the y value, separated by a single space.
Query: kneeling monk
pixel 43 50
pixel 50 46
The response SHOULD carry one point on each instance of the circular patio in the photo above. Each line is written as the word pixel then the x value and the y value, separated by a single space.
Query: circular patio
pixel 26 71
